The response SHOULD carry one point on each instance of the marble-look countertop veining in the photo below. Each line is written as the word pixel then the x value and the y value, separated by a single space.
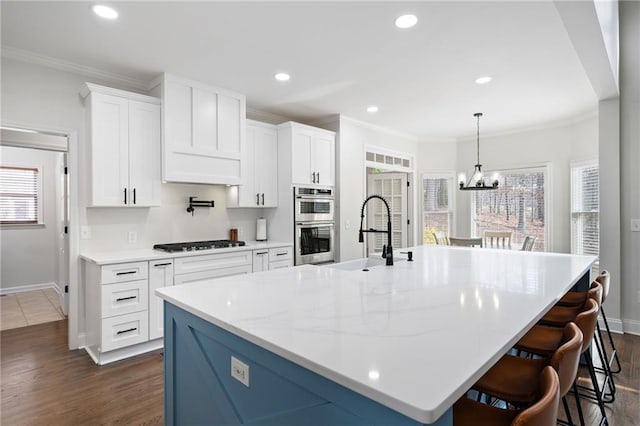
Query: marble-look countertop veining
pixel 136 255
pixel 413 336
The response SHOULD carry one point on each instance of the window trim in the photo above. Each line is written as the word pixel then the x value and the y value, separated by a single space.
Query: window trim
pixel 451 176
pixel 548 197
pixel 39 196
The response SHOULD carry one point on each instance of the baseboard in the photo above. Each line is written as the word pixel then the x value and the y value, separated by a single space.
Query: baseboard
pixel 29 287
pixel 631 326
pixel 615 325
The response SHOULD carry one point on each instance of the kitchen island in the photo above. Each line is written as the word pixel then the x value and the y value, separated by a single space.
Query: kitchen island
pixel 342 345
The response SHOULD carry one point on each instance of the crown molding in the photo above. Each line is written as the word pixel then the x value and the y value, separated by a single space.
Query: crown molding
pixel 62 65
pixel 266 117
pixel 380 129
pixel 564 122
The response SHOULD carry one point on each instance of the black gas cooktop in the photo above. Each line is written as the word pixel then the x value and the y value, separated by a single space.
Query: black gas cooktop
pixel 198 245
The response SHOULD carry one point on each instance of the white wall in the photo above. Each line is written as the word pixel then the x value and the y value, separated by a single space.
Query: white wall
pixel 350 174
pixel 556 145
pixel 29 252
pixel 629 159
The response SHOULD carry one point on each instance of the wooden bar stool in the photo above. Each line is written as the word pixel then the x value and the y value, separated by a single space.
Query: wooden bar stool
pixel 515 379
pixel 467 412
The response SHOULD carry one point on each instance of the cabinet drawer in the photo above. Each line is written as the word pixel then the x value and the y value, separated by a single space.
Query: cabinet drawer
pixel 282 253
pixel 124 298
pixel 185 265
pixel 124 330
pixel 124 272
pixel 278 264
pixel 214 273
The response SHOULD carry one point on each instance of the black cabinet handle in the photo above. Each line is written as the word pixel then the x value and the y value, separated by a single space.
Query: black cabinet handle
pixel 126 273
pixel 263 198
pixel 262 252
pixel 120 299
pixel 257 198
pixel 127 330
pixel 162 264
pixel 134 195
pixel 317 176
pixel 281 254
pixel 125 195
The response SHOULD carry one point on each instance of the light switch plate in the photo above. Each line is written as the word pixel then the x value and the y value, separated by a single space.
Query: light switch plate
pixel 240 371
pixel 85 232
pixel 635 225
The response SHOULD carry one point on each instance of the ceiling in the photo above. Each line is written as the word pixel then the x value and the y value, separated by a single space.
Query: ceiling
pixel 342 57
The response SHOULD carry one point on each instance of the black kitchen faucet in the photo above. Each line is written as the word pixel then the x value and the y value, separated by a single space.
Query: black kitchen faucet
pixel 387 251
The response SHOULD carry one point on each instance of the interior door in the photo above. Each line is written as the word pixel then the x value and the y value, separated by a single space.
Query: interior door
pixel 393 188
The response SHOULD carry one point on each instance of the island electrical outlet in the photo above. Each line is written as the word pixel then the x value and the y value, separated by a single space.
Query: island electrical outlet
pixel 240 371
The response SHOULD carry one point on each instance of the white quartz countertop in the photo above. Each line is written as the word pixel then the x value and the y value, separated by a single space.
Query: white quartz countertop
pixel 122 256
pixel 413 337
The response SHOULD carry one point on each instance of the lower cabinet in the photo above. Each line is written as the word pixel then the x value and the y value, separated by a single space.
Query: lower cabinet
pixel 124 315
pixel 274 258
pixel 117 311
pixel 160 275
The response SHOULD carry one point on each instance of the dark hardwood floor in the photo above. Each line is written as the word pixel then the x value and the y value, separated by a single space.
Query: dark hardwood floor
pixel 45 383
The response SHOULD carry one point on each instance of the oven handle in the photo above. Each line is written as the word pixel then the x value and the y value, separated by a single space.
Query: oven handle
pixel 314 223
pixel 316 197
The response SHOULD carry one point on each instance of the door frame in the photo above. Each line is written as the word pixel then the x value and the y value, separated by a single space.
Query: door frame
pixel 74 338
pixel 412 210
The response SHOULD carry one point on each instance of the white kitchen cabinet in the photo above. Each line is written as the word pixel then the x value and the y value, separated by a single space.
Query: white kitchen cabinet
pixel 273 258
pixel 124 145
pixel 200 268
pixel 203 137
pixel 160 276
pixel 260 260
pixel 259 186
pixel 117 311
pixel 312 153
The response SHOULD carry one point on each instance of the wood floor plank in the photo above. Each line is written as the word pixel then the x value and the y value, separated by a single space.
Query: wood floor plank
pixel 45 383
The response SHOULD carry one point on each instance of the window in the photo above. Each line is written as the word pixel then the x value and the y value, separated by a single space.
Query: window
pixel 585 208
pixel 20 191
pixel 437 211
pixel 518 205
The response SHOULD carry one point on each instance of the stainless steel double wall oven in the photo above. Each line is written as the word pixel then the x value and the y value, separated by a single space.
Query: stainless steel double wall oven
pixel 314 225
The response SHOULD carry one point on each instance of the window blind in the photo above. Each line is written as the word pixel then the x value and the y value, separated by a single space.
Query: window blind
pixel 18 195
pixel 437 209
pixel 585 209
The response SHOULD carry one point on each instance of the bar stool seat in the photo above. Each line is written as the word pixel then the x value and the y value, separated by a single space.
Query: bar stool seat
pixel 558 316
pixel 510 379
pixel 541 340
pixel 467 412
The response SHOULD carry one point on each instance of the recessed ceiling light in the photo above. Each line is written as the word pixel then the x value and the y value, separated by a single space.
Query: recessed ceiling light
pixel 103 11
pixel 483 80
pixel 406 21
pixel 372 108
pixel 281 76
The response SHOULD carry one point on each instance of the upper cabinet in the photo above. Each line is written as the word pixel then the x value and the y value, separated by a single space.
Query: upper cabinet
pixel 259 186
pixel 124 144
pixel 203 135
pixel 312 153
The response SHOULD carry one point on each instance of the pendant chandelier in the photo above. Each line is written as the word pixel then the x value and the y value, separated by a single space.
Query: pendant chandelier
pixel 476 182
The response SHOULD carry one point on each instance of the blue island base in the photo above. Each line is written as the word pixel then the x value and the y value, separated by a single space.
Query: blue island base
pixel 199 388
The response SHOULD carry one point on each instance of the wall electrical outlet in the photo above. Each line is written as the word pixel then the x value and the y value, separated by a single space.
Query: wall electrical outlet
pixel 240 371
pixel 133 237
pixel 85 232
pixel 635 225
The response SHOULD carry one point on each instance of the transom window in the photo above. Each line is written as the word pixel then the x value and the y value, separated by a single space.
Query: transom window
pixel 20 195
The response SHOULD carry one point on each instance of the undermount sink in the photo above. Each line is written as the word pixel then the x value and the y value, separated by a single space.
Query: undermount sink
pixel 359 264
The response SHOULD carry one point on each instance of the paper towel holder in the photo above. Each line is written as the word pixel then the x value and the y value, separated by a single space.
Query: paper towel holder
pixel 261 229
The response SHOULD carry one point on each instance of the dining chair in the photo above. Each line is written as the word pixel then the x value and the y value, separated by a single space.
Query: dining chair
pixel 465 242
pixel 441 238
pixel 497 239
pixel 543 412
pixel 528 242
